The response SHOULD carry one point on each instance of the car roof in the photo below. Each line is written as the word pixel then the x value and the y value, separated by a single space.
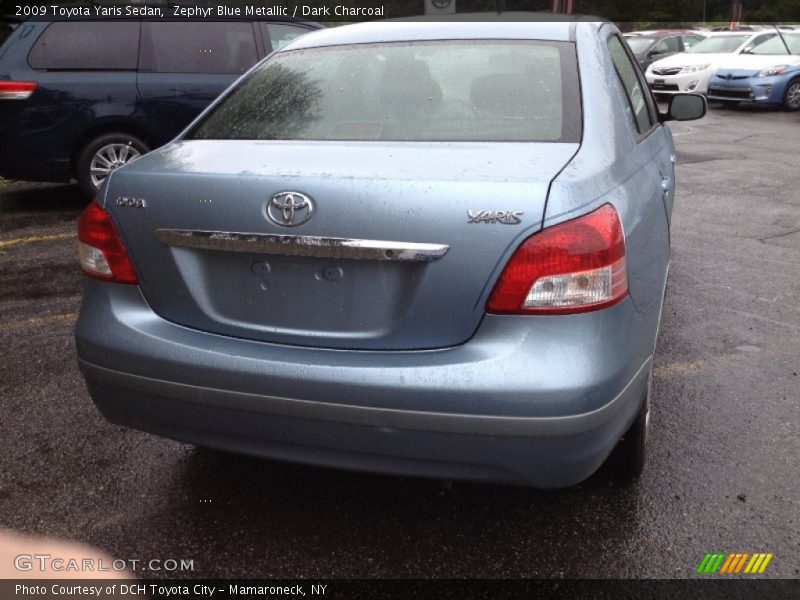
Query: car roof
pixel 732 33
pixel 661 32
pixel 464 26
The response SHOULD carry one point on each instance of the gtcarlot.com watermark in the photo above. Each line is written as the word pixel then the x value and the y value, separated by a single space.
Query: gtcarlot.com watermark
pixel 49 563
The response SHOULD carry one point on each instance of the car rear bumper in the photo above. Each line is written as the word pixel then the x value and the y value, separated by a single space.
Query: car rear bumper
pixel 517 403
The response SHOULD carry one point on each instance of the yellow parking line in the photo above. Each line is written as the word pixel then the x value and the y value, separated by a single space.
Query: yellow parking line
pixel 36 238
pixel 71 316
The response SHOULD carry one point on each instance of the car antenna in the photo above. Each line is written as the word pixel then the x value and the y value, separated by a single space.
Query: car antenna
pixel 783 39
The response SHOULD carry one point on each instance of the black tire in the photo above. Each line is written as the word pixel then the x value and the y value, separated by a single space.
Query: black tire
pixel 107 145
pixel 629 456
pixel 791 97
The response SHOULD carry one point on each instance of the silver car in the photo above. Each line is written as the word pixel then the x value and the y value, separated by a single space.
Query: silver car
pixel 436 249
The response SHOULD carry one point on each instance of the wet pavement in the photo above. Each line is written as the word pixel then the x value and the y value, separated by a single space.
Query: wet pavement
pixel 723 472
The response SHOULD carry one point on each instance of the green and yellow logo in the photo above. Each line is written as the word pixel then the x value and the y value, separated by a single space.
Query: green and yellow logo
pixel 734 562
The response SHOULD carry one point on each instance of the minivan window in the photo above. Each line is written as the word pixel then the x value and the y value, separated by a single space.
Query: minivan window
pixel 87 45
pixel 225 47
pixel 420 91
pixel 280 34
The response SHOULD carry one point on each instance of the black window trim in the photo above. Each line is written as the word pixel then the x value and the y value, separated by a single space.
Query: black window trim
pixel 261 49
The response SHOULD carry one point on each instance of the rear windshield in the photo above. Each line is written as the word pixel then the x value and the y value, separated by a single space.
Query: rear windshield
pixel 422 91
pixel 722 44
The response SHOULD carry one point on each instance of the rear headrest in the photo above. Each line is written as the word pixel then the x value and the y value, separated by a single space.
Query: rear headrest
pixel 408 81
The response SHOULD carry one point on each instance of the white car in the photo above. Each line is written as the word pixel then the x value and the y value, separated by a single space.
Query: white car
pixel 690 71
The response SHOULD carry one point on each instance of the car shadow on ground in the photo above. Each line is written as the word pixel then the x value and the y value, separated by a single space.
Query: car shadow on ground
pixel 27 204
pixel 396 524
pixel 745 107
pixel 27 196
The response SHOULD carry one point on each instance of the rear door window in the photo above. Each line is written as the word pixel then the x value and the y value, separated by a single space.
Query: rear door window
pixel 198 47
pixel 280 34
pixel 87 46
pixel 637 98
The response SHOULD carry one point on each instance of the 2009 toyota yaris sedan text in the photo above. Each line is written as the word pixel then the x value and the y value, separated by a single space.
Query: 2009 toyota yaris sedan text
pixel 436 249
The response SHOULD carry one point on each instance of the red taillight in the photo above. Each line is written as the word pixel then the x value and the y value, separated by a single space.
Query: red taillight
pixel 17 90
pixel 575 266
pixel 102 253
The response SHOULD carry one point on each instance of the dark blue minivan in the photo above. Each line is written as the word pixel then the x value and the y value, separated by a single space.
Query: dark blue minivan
pixel 80 98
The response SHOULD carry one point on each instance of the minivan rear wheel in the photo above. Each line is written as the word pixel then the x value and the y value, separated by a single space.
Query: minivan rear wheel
pixel 628 458
pixel 101 155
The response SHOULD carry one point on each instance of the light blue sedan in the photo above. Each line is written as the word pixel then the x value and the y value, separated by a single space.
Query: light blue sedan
pixel 436 249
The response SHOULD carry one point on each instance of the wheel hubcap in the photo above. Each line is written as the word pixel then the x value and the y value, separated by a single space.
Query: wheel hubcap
pixel 108 158
pixel 793 96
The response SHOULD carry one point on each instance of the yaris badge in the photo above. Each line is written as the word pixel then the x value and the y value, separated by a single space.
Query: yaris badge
pixel 289 209
pixel 506 217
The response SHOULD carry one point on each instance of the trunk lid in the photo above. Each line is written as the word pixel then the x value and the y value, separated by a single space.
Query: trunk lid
pixel 314 292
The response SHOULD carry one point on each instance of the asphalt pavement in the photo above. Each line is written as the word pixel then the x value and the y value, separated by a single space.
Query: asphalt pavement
pixel 723 472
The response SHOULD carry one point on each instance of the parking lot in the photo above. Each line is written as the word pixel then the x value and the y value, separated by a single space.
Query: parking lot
pixel 723 473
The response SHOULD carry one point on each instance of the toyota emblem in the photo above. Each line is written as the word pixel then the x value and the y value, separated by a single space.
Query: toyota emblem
pixel 289 209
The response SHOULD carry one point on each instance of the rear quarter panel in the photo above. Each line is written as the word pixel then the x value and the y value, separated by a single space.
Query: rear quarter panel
pixel 614 166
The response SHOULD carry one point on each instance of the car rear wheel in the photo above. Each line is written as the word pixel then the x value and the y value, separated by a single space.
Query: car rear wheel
pixel 102 155
pixel 791 97
pixel 628 458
